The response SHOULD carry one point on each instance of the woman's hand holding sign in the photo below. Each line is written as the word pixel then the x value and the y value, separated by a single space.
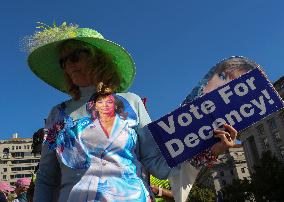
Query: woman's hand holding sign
pixel 228 137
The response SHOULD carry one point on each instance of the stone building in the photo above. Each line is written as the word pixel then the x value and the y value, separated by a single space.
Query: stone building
pixel 267 134
pixel 232 166
pixel 16 159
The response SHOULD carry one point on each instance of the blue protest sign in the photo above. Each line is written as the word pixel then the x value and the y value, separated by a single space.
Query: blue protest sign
pixel 188 130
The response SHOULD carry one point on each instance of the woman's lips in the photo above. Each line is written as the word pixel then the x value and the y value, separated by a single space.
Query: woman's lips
pixel 105 109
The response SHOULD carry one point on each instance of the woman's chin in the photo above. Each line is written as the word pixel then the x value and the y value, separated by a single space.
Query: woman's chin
pixel 110 114
pixel 81 83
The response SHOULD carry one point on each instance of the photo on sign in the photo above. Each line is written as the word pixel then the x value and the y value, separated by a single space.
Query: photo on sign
pixel 235 91
pixel 220 74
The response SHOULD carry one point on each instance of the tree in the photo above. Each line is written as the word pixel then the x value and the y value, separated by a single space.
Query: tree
pixel 201 194
pixel 266 182
pixel 239 190
pixel 268 178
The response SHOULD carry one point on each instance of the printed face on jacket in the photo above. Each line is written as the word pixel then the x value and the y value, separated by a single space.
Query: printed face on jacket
pixel 105 106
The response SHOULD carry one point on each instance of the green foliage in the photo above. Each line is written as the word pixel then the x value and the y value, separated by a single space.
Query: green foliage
pixel 204 175
pixel 201 194
pixel 266 183
pixel 268 178
pixel 239 190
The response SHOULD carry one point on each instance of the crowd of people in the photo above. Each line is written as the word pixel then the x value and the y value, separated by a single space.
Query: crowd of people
pixel 20 192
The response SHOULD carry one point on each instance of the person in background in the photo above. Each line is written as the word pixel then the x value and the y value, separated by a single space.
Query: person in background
pixel 36 149
pixel 21 187
pixel 161 190
pixel 30 191
pixel 5 189
pixel 3 197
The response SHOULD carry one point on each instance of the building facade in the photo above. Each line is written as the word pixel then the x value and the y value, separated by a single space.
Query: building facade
pixel 267 134
pixel 16 159
pixel 232 166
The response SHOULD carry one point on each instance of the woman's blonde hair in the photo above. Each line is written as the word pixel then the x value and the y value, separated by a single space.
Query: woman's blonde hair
pixel 103 75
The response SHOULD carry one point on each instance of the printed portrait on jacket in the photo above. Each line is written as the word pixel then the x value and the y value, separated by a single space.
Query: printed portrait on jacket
pixel 106 108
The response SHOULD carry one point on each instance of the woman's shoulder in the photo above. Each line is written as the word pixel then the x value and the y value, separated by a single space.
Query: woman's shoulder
pixel 55 110
pixel 61 106
pixel 133 99
pixel 130 96
pixel 55 113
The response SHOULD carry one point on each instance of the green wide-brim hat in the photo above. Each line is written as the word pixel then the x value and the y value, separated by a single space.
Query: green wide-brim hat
pixel 44 45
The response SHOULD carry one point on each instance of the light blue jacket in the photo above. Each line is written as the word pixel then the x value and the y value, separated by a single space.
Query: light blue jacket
pixel 79 162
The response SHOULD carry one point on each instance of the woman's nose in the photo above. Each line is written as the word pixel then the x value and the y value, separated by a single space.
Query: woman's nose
pixel 70 63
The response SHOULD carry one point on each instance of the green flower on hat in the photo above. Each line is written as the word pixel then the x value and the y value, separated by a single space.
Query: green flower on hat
pixel 43 47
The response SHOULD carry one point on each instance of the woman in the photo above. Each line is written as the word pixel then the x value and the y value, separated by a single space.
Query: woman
pixel 83 159
pixel 5 189
pixel 21 188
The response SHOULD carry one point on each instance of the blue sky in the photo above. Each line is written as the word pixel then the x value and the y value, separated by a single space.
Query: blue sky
pixel 173 43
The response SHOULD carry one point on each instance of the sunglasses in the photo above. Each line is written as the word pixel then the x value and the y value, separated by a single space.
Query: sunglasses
pixel 72 57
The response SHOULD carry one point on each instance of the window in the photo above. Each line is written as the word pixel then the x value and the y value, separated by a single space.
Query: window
pixel 243 170
pixel 265 143
pixel 25 161
pixel 25 147
pixel 272 124
pixel 27 154
pixel 4 169
pixel 20 147
pixel 28 168
pixel 277 136
pixel 13 147
pixel 282 116
pixel 28 147
pixel 19 176
pixel 18 154
pixel 282 151
pixel 260 129
pixel 4 177
pixel 6 151
pixel 16 169
pixel 12 176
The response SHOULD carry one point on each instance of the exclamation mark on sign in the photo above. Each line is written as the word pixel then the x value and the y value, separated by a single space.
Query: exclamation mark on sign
pixel 267 96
